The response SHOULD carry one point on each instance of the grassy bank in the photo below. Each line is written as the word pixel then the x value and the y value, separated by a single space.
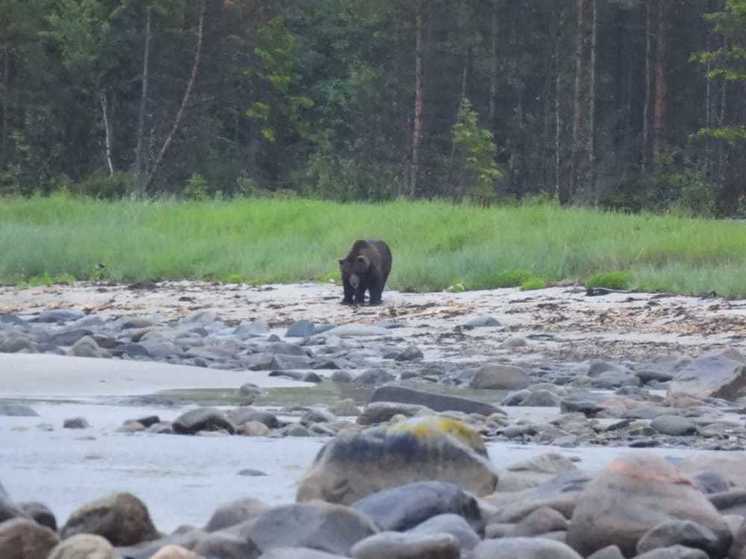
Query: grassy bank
pixel 435 245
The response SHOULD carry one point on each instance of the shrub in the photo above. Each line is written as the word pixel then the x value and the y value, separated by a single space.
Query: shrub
pixel 533 283
pixel 610 280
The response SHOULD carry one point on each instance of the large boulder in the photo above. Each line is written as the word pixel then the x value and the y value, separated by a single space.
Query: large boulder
pixel 500 377
pixel 634 494
pixel 84 546
pixel 22 538
pixel 436 402
pixel 235 512
pixel 7 509
pixel 523 548
pixel 202 419
pixel 395 545
pixel 717 374
pixel 354 465
pixel 321 526
pixel 121 518
pixel 404 507
pixel 453 524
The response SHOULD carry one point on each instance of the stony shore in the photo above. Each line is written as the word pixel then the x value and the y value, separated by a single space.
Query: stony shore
pixel 409 403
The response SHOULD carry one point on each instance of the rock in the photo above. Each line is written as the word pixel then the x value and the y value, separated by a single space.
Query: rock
pixel 647 376
pixel 234 513
pixel 633 494
pixel 7 509
pixel 282 362
pixel 16 410
pixel 76 423
pixel 675 552
pixel 297 430
pixel 608 380
pixel 22 538
pixel 253 429
pixel 541 521
pixel 730 467
pixel 316 416
pixel 678 532
pixel 345 408
pixel 16 343
pixel 357 330
pixel 354 465
pixel 560 493
pixel 175 552
pixel 450 523
pixel 298 553
pixel 249 392
pixel 240 416
pixel 251 472
pixel 202 419
pixel 300 329
pixel 321 526
pixel 11 319
pixel 410 353
pixel 341 376
pixel 223 545
pixel 541 399
pixel 523 548
pixel 587 406
pixel 609 552
pixel 59 315
pixel 436 402
pixel 258 361
pixel 404 507
pixel 121 518
pixel 673 425
pixel 87 347
pixel 84 546
pixel 717 374
pixel 380 412
pixel 534 471
pixel 374 377
pixel 253 329
pixel 480 322
pixel 40 513
pixel 500 377
pixel 69 337
pixel 394 545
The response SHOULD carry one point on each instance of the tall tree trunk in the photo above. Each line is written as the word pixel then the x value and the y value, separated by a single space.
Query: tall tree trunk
pixel 107 130
pixel 558 124
pixel 185 99
pixel 582 175
pixel 661 83
pixel 4 157
pixel 493 65
pixel 645 150
pixel 139 156
pixel 591 146
pixel 419 100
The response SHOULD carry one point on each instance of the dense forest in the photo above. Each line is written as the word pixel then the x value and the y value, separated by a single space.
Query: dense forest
pixel 627 104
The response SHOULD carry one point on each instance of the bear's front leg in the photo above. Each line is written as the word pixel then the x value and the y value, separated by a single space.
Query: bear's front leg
pixel 349 293
pixel 375 296
pixel 360 295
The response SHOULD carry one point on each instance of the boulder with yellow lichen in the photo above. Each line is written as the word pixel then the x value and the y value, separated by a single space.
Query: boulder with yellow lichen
pixel 427 448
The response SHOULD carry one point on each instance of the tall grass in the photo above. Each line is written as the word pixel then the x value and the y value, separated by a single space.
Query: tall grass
pixel 435 244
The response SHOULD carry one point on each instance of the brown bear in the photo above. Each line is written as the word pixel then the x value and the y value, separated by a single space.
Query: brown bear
pixel 366 267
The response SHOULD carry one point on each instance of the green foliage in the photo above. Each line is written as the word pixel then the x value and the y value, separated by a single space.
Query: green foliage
pixel 475 150
pixel 533 283
pixel 101 185
pixel 196 188
pixel 267 240
pixel 610 280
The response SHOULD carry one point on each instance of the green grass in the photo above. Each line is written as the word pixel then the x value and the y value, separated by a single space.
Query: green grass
pixel 611 280
pixel 436 245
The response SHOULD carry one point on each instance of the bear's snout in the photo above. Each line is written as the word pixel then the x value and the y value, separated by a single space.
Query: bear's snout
pixel 354 281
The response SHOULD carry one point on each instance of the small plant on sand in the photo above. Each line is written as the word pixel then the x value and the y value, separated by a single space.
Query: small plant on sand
pixel 610 280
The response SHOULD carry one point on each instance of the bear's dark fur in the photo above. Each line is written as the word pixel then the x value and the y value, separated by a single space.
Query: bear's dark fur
pixel 365 268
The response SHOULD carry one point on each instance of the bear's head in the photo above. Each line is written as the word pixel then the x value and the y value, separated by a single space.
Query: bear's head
pixel 354 269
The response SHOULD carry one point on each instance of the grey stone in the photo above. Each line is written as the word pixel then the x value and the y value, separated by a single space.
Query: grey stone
pixel 541 399
pixel 679 532
pixel 717 374
pixel 500 377
pixel 253 429
pixel 234 513
pixel 298 553
pixel 282 362
pixel 380 412
pixel 357 330
pixel 69 337
pixel 609 552
pixel 321 526
pixel 534 471
pixel 345 408
pixel 16 410
pixel 374 377
pixel 58 315
pixel 541 521
pixel 16 343
pixel 87 347
pixel 450 523
pixel 675 552
pixel 404 507
pixel 674 425
pixel 634 493
pixel 394 545
pixel 40 513
pixel 202 419
pixel 239 416
pixel 84 546
pixel 22 538
pixel 436 402
pixel 76 423
pixel 284 348
pixel 647 376
pixel 301 329
pixel 410 353
pixel 258 361
pixel 523 548
pixel 221 545
pixel 296 430
pixel 341 377
pixel 253 329
pixel 316 416
pixel 481 322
